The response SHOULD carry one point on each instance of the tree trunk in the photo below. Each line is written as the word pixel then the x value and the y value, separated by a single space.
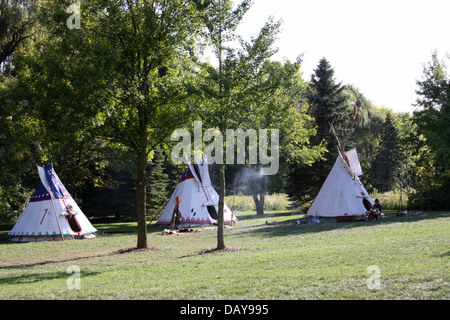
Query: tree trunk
pixel 141 197
pixel 220 220
pixel 259 204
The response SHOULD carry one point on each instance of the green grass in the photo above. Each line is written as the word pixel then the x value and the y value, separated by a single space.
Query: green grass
pixel 282 261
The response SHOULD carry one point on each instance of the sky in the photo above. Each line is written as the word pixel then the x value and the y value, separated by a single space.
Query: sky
pixel 378 46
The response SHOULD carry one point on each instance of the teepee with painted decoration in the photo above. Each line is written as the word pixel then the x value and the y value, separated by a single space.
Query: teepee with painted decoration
pixel 51 213
pixel 198 201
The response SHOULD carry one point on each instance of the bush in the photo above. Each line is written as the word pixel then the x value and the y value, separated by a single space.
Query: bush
pixel 431 192
pixel 277 201
pixel 13 200
pixel 390 200
pixel 435 198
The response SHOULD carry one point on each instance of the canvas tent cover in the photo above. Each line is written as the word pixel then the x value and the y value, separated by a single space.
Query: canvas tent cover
pixel 46 216
pixel 199 200
pixel 342 192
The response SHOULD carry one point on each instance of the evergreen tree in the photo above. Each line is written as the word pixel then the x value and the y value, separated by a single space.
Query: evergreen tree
pixel 326 101
pixel 388 157
pixel 157 193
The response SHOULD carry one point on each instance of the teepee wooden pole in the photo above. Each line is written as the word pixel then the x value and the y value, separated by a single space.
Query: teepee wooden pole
pixel 56 216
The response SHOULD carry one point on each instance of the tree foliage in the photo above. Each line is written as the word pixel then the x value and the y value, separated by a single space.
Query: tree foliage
pixel 388 157
pixel 432 122
pixel 108 94
pixel 434 116
pixel 17 22
pixel 119 79
pixel 235 91
pixel 246 90
pixel 326 104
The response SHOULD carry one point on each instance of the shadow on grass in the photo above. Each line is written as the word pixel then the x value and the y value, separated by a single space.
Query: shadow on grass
pixel 289 227
pixel 47 262
pixel 38 277
pixel 103 229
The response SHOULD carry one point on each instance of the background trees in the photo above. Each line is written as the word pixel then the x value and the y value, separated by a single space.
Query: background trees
pixel 17 30
pixel 325 103
pixel 17 26
pixel 100 102
pixel 115 81
pixel 246 90
pixel 433 117
pixel 432 121
pixel 148 93
pixel 388 157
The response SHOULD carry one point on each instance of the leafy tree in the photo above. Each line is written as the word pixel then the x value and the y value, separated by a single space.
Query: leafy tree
pixel 50 102
pixel 245 90
pixel 117 195
pixel 147 40
pixel 220 22
pixel 117 81
pixel 16 186
pixel 433 118
pixel 431 188
pixel 432 164
pixel 365 130
pixel 409 142
pixel 17 29
pixel 17 21
pixel 296 129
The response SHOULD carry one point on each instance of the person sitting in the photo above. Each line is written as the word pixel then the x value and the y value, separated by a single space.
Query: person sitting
pixel 377 206
pixel 375 211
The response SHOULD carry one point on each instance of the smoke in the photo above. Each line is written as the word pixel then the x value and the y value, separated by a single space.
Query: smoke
pixel 249 179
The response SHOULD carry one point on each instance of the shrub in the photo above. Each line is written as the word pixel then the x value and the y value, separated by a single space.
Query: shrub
pixel 277 201
pixel 14 198
pixel 390 200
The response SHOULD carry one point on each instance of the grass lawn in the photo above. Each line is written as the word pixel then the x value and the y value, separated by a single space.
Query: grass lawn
pixel 283 261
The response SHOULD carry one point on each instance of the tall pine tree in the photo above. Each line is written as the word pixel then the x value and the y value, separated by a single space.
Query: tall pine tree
pixel 327 104
pixel 388 157
pixel 157 193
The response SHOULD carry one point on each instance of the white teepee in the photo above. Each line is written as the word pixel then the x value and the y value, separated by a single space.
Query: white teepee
pixel 199 200
pixel 342 192
pixel 51 213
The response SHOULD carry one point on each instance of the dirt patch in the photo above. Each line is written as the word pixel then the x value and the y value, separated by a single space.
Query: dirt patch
pixel 133 249
pixel 220 250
